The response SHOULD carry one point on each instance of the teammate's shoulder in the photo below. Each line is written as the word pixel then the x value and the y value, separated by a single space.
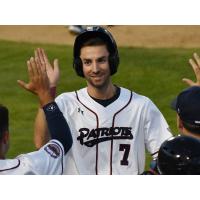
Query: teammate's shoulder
pixel 9 164
pixel 54 148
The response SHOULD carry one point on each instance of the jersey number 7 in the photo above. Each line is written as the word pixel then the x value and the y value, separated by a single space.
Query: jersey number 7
pixel 126 149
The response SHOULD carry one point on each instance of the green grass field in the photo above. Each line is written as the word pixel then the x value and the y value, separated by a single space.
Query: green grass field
pixel 155 73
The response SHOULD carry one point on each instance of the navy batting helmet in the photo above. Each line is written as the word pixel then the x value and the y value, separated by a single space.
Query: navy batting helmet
pixel 94 32
pixel 179 156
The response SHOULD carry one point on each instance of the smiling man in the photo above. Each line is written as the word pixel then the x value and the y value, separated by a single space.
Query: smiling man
pixel 111 126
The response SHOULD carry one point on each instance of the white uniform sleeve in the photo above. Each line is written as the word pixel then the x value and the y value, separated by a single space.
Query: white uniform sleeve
pixel 45 161
pixel 156 129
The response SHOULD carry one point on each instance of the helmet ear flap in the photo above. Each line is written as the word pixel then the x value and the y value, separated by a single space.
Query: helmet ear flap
pixel 113 62
pixel 78 66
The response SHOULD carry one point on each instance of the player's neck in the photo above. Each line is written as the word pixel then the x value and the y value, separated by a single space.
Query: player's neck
pixel 184 131
pixel 102 93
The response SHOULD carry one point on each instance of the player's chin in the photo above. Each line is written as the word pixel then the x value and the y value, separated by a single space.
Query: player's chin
pixel 97 83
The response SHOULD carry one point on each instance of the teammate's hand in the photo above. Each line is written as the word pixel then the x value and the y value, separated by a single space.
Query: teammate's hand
pixel 53 71
pixel 38 81
pixel 195 63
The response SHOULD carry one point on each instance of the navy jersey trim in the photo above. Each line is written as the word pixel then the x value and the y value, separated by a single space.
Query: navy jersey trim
pixel 113 123
pixel 97 126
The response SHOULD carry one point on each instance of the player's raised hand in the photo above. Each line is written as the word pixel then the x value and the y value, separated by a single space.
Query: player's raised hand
pixel 38 81
pixel 53 71
pixel 195 63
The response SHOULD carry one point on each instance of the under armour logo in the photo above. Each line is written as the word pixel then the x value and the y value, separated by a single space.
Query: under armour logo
pixel 80 111
pixel 51 107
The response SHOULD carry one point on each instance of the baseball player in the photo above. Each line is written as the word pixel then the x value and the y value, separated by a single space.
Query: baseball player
pixel 50 158
pixel 188 123
pixel 188 111
pixel 187 106
pixel 111 126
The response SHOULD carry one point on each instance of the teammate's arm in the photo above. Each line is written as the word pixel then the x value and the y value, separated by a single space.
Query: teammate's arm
pixel 57 125
pixel 152 169
pixel 41 132
pixel 195 64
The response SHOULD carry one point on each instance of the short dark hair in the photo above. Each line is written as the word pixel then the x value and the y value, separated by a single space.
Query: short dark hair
pixel 94 41
pixel 4 120
pixel 194 129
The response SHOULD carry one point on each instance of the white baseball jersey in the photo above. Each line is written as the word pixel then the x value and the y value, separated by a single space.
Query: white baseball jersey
pixel 112 139
pixel 47 160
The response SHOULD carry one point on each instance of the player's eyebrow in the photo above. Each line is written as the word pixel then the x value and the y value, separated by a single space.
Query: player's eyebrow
pixel 102 58
pixel 86 59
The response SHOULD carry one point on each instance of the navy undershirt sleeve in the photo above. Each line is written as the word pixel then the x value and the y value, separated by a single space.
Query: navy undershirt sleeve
pixel 57 125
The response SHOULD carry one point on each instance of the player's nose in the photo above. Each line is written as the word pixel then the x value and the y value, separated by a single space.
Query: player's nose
pixel 95 67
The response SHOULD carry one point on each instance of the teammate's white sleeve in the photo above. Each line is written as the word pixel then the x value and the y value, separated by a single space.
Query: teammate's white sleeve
pixel 156 128
pixel 45 161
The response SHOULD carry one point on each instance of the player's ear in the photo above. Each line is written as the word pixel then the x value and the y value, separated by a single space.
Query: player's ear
pixel 5 138
pixel 179 124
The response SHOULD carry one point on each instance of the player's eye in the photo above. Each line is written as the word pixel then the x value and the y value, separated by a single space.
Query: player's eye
pixel 87 62
pixel 102 60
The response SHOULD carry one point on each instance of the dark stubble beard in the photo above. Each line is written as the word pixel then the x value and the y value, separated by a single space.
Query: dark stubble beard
pixel 102 86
